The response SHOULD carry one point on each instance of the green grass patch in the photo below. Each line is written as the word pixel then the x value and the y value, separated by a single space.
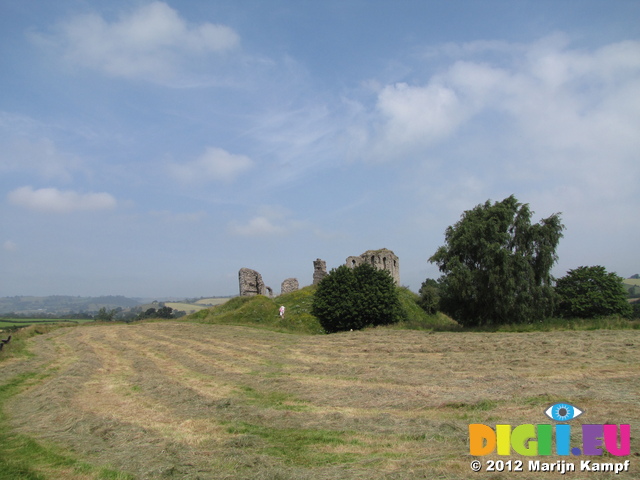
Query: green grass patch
pixel 275 400
pixel 481 406
pixel 23 458
pixel 542 400
pixel 300 446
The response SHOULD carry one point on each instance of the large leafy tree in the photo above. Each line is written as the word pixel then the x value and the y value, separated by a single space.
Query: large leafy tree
pixel 589 292
pixel 496 265
pixel 353 298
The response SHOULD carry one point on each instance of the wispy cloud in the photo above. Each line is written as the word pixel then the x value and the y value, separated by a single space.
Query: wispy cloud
pixel 178 217
pixel 215 164
pixel 9 246
pixel 152 42
pixel 269 221
pixel 52 200
pixel 26 146
pixel 257 226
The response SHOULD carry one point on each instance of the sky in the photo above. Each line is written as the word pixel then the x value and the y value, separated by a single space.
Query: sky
pixel 154 148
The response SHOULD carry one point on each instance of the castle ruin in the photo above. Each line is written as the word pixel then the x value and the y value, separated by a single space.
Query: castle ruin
pixel 383 259
pixel 289 285
pixel 319 270
pixel 251 282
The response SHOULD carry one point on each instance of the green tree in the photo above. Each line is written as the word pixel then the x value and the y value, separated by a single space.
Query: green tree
pixel 589 292
pixel 429 296
pixel 353 298
pixel 165 312
pixel 104 315
pixel 496 265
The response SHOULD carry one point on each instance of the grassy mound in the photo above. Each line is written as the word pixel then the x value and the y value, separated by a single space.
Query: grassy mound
pixel 262 311
pixel 417 318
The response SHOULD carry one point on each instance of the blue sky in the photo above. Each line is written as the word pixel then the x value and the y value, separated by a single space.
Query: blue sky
pixel 153 149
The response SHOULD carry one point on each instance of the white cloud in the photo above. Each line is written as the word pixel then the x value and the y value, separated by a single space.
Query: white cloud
pixel 545 110
pixel 152 42
pixel 270 220
pixel 9 246
pixel 52 200
pixel 214 164
pixel 420 115
pixel 257 226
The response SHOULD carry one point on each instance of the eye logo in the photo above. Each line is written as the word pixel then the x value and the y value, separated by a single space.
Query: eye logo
pixel 563 412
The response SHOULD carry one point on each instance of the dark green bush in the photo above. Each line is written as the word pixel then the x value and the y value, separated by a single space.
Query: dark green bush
pixel 351 299
pixel 589 292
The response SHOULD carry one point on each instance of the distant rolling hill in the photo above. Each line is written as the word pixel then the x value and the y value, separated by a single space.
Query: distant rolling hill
pixel 61 304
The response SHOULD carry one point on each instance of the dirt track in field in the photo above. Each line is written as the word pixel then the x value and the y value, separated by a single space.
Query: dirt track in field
pixel 188 401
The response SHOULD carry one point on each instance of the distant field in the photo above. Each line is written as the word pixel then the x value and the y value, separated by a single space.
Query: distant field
pixel 632 281
pixel 185 307
pixel 178 400
pixel 197 306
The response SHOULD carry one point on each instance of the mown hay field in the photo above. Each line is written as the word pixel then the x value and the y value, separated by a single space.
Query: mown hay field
pixel 22 322
pixel 196 401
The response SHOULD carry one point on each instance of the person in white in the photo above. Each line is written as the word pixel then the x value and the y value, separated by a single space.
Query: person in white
pixel 282 311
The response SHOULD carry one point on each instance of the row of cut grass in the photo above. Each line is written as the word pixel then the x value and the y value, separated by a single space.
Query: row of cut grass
pixel 23 322
pixel 23 458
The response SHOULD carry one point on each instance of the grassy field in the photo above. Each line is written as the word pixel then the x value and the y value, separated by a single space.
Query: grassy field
pixel 23 322
pixel 204 401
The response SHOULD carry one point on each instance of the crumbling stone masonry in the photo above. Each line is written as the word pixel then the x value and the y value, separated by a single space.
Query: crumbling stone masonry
pixel 251 283
pixel 319 270
pixel 383 259
pixel 289 285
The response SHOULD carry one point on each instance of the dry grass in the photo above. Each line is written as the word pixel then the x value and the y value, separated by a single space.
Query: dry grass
pixel 181 400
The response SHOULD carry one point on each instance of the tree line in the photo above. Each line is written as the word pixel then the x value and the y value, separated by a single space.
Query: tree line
pixel 496 269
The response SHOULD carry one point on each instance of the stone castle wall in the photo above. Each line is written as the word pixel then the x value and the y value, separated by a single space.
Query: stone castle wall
pixel 383 259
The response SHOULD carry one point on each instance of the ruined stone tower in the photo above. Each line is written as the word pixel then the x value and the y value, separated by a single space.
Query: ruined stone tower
pixel 383 259
pixel 289 285
pixel 251 283
pixel 319 270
